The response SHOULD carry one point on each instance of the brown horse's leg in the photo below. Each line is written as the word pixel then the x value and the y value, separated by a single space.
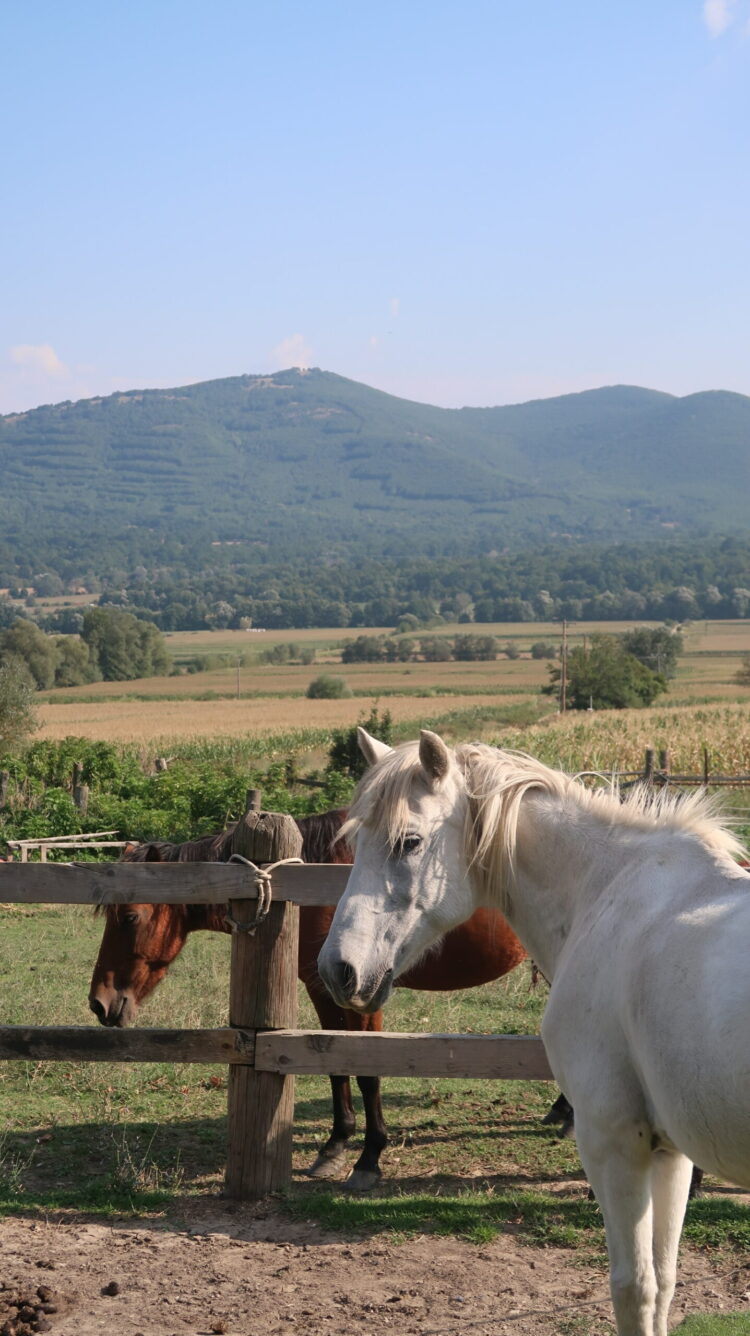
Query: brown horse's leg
pixel 696 1183
pixel 367 1172
pixel 329 1162
pixel 562 1113
pixel 314 922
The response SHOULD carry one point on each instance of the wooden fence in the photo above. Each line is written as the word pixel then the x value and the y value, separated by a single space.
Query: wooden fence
pixel 95 839
pixel 261 1045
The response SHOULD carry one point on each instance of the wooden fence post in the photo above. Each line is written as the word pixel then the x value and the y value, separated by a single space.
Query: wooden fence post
pixel 262 996
pixel 648 765
pixel 4 782
pixel 80 790
pixel 81 798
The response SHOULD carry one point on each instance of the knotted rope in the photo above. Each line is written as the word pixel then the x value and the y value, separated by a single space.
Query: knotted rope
pixel 262 881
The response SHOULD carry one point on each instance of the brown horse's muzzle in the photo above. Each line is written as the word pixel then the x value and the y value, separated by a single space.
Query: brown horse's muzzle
pixel 112 1007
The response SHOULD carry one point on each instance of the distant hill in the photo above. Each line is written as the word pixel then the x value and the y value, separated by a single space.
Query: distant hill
pixel 300 458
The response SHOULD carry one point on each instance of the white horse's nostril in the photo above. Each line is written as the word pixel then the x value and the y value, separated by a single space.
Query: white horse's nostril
pixel 347 978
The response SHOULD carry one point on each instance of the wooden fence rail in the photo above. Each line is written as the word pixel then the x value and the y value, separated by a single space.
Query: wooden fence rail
pixel 261 1047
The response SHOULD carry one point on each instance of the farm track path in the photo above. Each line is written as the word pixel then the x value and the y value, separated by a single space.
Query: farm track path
pixel 242 1270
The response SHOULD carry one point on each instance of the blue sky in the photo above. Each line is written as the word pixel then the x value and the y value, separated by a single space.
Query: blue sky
pixel 472 202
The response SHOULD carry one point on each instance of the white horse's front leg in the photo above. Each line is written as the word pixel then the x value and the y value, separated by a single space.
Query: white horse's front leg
pixel 617 1163
pixel 670 1185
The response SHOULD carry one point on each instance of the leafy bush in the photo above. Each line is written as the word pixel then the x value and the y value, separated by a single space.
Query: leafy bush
pixel 344 756
pixel 365 649
pixel 472 648
pixel 742 676
pixel 17 717
pixel 436 649
pixel 328 687
pixel 656 647
pixel 604 676
pixel 123 646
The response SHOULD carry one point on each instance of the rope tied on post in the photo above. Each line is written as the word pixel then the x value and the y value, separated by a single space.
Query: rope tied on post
pixel 262 880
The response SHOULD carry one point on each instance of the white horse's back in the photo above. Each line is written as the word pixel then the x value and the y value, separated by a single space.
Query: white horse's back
pixel 672 1004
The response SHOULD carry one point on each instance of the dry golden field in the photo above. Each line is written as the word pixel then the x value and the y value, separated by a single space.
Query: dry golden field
pixel 147 721
pixel 273 697
pixel 502 676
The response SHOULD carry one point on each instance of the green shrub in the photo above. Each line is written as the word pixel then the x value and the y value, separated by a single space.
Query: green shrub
pixel 328 687
pixel 344 756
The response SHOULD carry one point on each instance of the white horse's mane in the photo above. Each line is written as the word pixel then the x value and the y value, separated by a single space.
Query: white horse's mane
pixel 497 781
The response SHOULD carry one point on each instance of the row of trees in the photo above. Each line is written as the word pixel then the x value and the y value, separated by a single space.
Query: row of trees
pixel 216 587
pixel 435 649
pixel 112 645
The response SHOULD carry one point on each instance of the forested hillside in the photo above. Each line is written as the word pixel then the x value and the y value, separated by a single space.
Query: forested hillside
pixel 303 458
pixel 305 499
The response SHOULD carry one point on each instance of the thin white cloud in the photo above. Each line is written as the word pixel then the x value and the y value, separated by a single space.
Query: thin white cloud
pixel 38 357
pixel 718 15
pixel 293 351
pixel 395 307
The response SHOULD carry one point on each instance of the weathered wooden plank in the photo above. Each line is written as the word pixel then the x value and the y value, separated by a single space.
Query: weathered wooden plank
pixel 72 845
pixel 80 837
pixel 93 1043
pixel 164 883
pixel 337 1052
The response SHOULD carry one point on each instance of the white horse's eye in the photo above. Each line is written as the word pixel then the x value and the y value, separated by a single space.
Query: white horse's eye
pixel 408 845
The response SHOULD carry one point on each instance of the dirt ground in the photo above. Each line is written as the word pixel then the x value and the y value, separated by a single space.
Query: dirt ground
pixel 249 1270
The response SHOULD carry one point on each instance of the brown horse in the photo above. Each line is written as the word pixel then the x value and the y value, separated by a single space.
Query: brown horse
pixel 141 941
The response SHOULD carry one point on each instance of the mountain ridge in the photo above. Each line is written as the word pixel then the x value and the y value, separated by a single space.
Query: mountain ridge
pixel 310 456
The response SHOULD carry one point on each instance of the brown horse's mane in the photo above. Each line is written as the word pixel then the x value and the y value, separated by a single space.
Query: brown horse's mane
pixel 320 844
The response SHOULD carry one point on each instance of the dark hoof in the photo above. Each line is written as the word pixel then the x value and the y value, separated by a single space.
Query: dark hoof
pixel 362 1180
pixel 324 1167
pixel 561 1112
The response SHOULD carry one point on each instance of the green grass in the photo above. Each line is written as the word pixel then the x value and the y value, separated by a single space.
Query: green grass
pixel 724 1324
pixel 476 1214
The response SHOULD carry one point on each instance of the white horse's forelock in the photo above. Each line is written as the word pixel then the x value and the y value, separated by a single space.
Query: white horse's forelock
pixel 496 783
pixel 381 799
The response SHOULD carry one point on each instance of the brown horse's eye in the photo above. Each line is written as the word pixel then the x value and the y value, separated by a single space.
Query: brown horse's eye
pixel 131 917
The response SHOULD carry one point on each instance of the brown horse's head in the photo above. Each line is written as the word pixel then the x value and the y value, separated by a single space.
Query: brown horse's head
pixel 141 941
pixel 139 944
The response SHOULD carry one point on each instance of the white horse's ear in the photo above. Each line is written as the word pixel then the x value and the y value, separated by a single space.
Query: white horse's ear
pixel 434 756
pixel 371 749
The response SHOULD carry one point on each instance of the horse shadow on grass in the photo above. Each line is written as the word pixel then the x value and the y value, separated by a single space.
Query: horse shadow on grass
pixel 161 1174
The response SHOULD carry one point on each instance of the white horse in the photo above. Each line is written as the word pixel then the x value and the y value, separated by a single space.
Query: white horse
pixel 640 918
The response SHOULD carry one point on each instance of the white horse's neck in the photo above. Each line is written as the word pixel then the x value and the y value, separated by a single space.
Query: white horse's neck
pixel 564 860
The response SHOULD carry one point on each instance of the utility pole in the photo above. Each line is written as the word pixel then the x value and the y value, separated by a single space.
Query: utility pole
pixel 564 669
pixel 239 661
